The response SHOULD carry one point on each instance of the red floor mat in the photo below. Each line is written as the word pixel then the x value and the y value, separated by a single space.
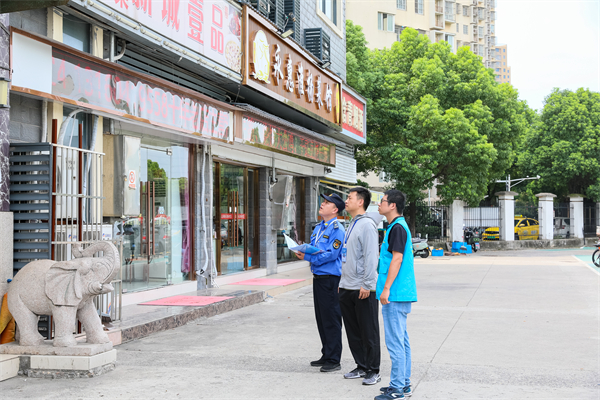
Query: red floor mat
pixel 268 282
pixel 186 301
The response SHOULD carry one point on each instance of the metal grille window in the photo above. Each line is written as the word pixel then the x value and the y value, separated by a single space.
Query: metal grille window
pixel 419 7
pixel 318 43
pixel 401 4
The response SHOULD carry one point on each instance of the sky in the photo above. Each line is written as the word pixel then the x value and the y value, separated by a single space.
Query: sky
pixel 550 44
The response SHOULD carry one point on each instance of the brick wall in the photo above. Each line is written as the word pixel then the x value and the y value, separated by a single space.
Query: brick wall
pixel 310 19
pixel 34 21
pixel 25 119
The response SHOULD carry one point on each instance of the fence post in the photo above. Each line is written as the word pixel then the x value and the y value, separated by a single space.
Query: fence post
pixel 576 208
pixel 546 215
pixel 507 215
pixel 457 216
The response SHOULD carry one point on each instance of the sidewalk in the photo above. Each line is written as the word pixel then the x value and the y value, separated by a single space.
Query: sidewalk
pixel 142 320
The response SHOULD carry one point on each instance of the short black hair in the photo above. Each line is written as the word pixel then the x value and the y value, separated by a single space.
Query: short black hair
pixel 362 193
pixel 396 197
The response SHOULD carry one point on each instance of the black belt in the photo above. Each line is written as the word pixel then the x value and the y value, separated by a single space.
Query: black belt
pixel 315 276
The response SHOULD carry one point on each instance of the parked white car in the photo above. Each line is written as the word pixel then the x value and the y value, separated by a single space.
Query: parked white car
pixel 562 227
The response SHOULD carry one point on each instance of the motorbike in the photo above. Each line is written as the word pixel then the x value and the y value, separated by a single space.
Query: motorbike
pixel 420 247
pixel 472 237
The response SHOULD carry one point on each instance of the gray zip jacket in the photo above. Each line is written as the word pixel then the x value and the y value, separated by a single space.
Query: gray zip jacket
pixel 362 253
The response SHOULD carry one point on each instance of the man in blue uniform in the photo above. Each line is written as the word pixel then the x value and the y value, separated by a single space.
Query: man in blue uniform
pixel 326 267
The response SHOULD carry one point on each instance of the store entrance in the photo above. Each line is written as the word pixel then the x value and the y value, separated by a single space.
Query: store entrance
pixel 235 240
pixel 156 246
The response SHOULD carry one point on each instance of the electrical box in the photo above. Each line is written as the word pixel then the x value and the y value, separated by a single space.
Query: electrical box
pixel 121 176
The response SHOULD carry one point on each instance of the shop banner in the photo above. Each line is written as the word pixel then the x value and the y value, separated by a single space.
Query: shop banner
pixel 354 115
pixel 78 79
pixel 208 27
pixel 283 70
pixel 263 134
pixel 232 216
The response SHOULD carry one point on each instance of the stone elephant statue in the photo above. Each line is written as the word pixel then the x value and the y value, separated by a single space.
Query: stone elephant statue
pixel 65 290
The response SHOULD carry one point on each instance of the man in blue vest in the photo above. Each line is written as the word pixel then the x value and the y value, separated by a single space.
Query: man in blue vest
pixel 326 267
pixel 396 289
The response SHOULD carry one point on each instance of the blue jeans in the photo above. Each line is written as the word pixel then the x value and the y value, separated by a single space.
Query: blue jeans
pixel 396 340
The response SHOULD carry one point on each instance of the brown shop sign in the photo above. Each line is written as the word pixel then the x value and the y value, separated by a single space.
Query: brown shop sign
pixel 279 68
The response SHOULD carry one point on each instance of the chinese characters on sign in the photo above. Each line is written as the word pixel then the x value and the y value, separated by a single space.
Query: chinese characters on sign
pixel 77 79
pixel 281 69
pixel 209 27
pixel 263 134
pixel 353 116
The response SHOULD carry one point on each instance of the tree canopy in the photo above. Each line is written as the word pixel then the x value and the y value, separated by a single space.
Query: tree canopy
pixel 435 115
pixel 565 148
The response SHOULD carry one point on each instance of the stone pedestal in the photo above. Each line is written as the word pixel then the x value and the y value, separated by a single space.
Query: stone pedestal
pixel 546 215
pixel 457 216
pixel 46 361
pixel 507 215
pixel 9 366
pixel 576 206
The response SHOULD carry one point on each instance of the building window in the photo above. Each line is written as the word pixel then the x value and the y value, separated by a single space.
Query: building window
pixel 503 69
pixel 465 11
pixel 76 33
pixel 329 8
pixel 419 6
pixel 457 27
pixel 497 69
pixel 398 30
pixel 504 50
pixel 385 22
pixel 466 29
pixel 401 4
pixel 458 8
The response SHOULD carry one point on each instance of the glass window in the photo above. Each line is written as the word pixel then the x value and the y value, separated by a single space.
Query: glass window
pixel 466 29
pixel 401 4
pixel 380 21
pixel 390 23
pixel 419 6
pixel 76 33
pixel 385 22
pixel 329 8
pixel 71 136
pixel 457 27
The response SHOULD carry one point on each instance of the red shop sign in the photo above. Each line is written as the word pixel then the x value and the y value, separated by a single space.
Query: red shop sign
pixel 231 216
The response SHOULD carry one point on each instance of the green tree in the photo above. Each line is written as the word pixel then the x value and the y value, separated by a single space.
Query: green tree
pixel 565 149
pixel 435 115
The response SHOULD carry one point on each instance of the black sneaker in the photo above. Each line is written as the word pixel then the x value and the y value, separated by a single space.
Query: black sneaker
pixel 407 391
pixel 317 363
pixel 371 378
pixel 331 367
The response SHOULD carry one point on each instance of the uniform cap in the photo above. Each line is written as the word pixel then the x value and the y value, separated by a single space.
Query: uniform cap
pixel 335 199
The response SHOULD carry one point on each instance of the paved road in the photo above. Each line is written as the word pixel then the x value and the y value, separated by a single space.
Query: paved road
pixel 510 325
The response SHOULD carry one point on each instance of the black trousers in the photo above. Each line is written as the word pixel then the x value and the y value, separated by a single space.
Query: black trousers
pixel 329 316
pixel 361 319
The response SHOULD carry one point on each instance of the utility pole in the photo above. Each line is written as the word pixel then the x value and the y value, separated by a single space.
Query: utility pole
pixel 510 184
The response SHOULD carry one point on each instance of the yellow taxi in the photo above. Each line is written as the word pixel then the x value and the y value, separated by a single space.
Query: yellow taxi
pixel 525 229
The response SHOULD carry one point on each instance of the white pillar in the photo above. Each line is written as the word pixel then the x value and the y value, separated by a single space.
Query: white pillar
pixel 507 215
pixel 597 219
pixel 457 216
pixel 546 215
pixel 576 206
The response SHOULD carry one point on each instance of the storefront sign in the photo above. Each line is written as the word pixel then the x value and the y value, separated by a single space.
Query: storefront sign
pixel 232 216
pixel 209 27
pixel 263 134
pixel 91 83
pixel 283 70
pixel 354 115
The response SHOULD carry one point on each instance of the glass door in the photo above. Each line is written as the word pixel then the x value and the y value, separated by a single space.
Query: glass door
pixel 156 246
pixel 235 225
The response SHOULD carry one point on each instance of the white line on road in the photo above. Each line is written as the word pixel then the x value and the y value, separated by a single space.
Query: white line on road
pixel 586 264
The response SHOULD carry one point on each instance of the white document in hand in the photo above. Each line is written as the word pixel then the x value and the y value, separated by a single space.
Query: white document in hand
pixel 303 248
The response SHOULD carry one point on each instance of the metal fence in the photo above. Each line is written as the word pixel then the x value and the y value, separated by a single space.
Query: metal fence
pixel 477 220
pixel 590 219
pixel 432 221
pixel 77 213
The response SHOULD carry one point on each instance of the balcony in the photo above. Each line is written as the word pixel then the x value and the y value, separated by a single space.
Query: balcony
pixel 438 22
pixel 481 13
pixel 439 7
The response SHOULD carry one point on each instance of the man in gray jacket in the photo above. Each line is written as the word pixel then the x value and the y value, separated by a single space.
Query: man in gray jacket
pixel 359 306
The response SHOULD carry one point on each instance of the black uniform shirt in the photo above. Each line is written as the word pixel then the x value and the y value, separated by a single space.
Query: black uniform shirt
pixel 397 238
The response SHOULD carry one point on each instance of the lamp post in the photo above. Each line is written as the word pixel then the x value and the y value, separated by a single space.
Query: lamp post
pixel 514 182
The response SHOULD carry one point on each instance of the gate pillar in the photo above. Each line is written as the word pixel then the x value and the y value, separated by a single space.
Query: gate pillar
pixel 457 216
pixel 546 215
pixel 507 215
pixel 576 208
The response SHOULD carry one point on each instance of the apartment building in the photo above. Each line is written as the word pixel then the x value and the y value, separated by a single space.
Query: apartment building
pixel 458 22
pixel 502 70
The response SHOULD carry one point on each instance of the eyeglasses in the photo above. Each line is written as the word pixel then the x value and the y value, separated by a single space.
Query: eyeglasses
pixel 387 201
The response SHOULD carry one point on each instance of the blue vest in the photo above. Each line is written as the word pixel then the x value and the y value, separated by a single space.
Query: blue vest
pixel 404 287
